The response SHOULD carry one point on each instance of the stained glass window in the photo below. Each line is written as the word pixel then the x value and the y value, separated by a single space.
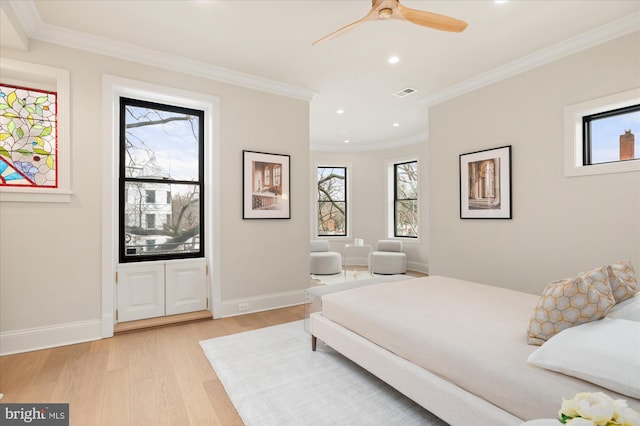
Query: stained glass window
pixel 28 137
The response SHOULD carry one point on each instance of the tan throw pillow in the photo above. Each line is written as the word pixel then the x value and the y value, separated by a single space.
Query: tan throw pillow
pixel 570 302
pixel 623 280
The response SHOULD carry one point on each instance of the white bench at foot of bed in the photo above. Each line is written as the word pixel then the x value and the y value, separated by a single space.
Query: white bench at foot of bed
pixel 442 398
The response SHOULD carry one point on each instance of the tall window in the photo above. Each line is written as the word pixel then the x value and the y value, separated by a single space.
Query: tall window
pixel 405 208
pixel 611 136
pixel 161 150
pixel 332 201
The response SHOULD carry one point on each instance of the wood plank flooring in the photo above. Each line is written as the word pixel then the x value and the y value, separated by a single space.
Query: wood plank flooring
pixel 158 376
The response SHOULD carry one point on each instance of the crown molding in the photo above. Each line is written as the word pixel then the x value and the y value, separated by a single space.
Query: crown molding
pixel 35 28
pixel 411 140
pixel 13 32
pixel 591 38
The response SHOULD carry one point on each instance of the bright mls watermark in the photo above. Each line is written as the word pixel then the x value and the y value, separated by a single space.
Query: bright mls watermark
pixel 34 414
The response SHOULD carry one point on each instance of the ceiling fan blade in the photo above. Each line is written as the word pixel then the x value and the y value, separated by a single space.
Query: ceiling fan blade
pixel 370 16
pixel 432 20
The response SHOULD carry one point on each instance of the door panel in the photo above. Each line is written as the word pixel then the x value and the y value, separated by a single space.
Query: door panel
pixel 140 291
pixel 185 286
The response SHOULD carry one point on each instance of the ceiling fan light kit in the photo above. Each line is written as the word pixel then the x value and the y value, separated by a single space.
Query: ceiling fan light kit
pixel 392 9
pixel 385 13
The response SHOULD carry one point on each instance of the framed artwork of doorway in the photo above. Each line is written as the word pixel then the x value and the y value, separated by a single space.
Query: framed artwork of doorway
pixel 265 186
pixel 485 184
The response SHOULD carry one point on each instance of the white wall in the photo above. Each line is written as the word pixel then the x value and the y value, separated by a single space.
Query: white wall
pixel 561 226
pixel 50 254
pixel 368 197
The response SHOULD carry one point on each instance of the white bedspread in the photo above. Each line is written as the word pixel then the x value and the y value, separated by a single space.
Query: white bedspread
pixel 472 335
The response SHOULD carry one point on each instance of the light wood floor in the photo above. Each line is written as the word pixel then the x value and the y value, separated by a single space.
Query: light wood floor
pixel 150 377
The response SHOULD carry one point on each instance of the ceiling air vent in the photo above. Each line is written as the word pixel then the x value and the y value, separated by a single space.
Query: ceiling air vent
pixel 405 92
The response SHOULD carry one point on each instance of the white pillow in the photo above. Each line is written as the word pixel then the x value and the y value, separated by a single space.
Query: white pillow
pixel 628 309
pixel 604 352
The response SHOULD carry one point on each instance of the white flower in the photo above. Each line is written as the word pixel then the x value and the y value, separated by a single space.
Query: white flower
pixel 597 409
pixel 625 416
pixel 568 408
pixel 594 406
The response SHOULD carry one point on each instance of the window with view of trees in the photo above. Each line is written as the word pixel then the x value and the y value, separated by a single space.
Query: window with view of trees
pixel 611 136
pixel 332 201
pixel 405 207
pixel 161 181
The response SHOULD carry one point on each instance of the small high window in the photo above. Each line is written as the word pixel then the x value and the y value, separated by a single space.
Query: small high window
pixel 602 135
pixel 611 136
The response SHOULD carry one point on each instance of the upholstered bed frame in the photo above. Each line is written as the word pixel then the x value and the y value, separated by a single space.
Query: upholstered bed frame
pixel 442 398
pixel 458 349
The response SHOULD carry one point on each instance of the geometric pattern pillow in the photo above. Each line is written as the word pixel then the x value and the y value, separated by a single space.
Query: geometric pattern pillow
pixel 570 302
pixel 623 280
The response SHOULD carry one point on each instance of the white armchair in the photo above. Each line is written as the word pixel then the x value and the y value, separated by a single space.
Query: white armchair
pixel 388 258
pixel 323 261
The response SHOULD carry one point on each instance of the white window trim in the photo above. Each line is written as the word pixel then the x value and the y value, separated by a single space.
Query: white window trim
pixel 314 220
pixel 112 89
pixel 573 148
pixel 54 79
pixel 390 198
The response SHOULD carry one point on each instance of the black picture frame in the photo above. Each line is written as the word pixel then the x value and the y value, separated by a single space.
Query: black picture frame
pixel 265 185
pixel 485 184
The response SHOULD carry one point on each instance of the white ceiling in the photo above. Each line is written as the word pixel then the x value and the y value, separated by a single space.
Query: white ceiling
pixel 266 44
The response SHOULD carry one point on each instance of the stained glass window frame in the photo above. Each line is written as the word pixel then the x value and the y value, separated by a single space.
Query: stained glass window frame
pixel 28 149
pixel 44 79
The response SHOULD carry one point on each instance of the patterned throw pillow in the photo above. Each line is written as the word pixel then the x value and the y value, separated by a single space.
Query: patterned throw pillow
pixel 623 280
pixel 570 302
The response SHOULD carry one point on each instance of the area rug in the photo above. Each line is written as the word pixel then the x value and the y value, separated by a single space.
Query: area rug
pixel 343 277
pixel 273 378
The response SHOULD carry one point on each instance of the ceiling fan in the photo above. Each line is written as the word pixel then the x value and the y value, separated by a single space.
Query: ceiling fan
pixel 392 9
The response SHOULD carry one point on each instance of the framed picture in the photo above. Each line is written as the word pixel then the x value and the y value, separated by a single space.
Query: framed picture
pixel 485 184
pixel 265 183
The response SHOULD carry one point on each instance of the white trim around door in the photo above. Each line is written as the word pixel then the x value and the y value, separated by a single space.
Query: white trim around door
pixel 112 89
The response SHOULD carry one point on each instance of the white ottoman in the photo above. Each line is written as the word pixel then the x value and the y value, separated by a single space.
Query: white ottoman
pixel 388 258
pixel 323 261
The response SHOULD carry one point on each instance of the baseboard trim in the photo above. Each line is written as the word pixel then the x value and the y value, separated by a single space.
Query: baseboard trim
pixel 267 302
pixel 418 267
pixel 33 339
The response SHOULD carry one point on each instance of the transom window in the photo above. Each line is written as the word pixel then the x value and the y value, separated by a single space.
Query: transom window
pixel 600 133
pixel 161 181
pixel 332 201
pixel 405 209
pixel 611 136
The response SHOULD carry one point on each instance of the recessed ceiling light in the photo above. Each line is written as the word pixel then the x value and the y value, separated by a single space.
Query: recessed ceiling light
pixel 347 141
pixel 340 111
pixel 500 1
pixel 393 59
pixel 396 124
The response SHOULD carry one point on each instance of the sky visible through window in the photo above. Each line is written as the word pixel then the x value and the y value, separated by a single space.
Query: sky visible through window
pixel 605 136
pixel 171 148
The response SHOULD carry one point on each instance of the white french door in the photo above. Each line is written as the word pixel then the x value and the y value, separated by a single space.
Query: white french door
pixel 159 288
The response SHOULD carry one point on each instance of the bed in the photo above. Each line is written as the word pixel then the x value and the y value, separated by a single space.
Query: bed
pixel 455 347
